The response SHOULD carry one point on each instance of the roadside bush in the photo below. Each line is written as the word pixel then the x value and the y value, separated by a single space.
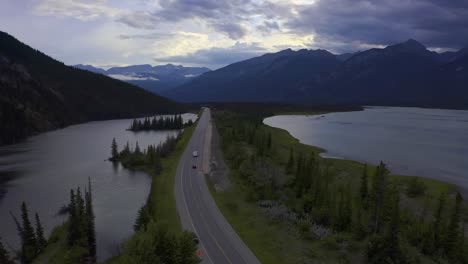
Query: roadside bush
pixel 415 188
pixel 330 243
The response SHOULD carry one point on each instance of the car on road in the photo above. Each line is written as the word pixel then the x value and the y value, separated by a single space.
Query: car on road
pixel 194 166
pixel 195 154
pixel 195 238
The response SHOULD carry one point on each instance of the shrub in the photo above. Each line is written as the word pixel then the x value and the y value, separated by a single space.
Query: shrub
pixel 415 187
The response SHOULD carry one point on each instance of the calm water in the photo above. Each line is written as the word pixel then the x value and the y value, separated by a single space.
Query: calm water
pixel 412 141
pixel 42 170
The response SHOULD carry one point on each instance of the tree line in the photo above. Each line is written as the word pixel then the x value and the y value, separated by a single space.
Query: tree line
pixel 161 123
pixel 81 235
pixel 33 241
pixel 151 156
pixel 152 243
pixel 316 194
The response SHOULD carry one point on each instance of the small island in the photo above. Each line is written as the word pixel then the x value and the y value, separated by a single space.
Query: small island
pixel 161 123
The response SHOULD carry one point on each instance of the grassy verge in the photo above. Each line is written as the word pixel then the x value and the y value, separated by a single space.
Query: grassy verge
pixel 274 241
pixel 162 186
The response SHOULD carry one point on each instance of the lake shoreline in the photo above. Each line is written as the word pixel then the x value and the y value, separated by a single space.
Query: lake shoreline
pixel 326 154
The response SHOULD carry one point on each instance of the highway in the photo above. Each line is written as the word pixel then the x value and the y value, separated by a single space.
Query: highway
pixel 197 210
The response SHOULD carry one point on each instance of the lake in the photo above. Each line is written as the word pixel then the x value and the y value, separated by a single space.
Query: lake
pixel 431 143
pixel 42 170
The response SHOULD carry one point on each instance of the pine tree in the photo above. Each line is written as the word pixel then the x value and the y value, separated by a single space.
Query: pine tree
pixel 72 220
pixel 114 150
pixel 143 217
pixel 137 149
pixel 29 248
pixel 187 249
pixel 4 256
pixel 452 246
pixel 364 187
pixel 298 182
pixel 392 239
pixel 269 141
pixel 41 241
pixel 378 197
pixel 157 164
pixel 81 218
pixel 91 233
pixel 290 164
pixel 358 227
pixel 439 222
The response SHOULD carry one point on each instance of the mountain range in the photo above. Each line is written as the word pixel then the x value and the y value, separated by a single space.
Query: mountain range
pixel 403 74
pixel 38 93
pixel 152 78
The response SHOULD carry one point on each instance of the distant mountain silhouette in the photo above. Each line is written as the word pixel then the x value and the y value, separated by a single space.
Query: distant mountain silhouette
pixel 90 68
pixel 38 93
pixel 152 78
pixel 402 74
pixel 281 76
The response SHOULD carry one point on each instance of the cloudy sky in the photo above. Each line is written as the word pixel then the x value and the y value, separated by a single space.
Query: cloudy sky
pixel 214 33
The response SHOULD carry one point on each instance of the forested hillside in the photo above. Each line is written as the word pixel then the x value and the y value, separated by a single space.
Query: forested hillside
pixel 38 93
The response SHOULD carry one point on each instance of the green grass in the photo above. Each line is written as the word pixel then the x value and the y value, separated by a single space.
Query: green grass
pixel 162 186
pixel 269 241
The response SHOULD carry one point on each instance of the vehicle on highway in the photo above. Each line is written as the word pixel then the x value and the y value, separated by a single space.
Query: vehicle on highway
pixel 195 238
pixel 195 154
pixel 194 166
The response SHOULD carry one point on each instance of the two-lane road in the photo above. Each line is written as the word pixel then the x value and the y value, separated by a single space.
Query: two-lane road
pixel 197 210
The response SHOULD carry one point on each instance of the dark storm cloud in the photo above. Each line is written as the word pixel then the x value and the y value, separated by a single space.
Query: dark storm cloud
pixel 223 16
pixel 233 30
pixel 217 57
pixel 347 24
pixel 268 27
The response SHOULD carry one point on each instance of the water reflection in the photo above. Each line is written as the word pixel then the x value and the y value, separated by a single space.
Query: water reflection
pixel 42 170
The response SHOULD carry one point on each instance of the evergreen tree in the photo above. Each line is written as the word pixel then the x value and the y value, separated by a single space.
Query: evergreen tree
pixel 452 246
pixel 114 150
pixel 299 176
pixel 80 220
pixel 41 241
pixel 269 141
pixel 364 187
pixel 157 164
pixel 392 239
pixel 4 256
pixel 439 222
pixel 126 151
pixel 143 217
pixel 358 226
pixel 29 247
pixel 290 164
pixel 137 149
pixel 186 249
pixel 378 197
pixel 91 233
pixel 72 220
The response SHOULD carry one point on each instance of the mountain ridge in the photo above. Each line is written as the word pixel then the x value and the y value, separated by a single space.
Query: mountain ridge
pixel 392 75
pixel 152 78
pixel 39 93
